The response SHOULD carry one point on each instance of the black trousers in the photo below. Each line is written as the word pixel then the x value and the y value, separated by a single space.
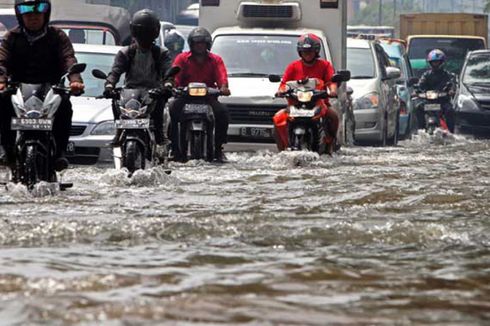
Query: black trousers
pixel 221 121
pixel 61 125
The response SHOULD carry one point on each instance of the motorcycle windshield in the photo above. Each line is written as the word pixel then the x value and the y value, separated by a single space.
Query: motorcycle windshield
pixel 134 98
pixel 34 90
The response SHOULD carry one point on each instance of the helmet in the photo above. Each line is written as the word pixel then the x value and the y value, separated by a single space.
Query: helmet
pixel 145 26
pixel 436 55
pixel 309 42
pixel 174 41
pixel 199 34
pixel 23 7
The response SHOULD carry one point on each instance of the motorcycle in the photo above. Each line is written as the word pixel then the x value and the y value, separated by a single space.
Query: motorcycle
pixel 138 148
pixel 35 106
pixel 196 128
pixel 304 115
pixel 432 102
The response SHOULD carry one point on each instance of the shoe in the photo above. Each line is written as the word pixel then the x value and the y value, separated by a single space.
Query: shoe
pixel 161 154
pixel 61 163
pixel 219 155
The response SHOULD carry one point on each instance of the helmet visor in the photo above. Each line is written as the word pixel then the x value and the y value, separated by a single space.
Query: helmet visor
pixel 36 8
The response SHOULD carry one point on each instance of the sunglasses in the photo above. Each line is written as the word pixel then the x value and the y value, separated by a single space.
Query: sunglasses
pixel 37 8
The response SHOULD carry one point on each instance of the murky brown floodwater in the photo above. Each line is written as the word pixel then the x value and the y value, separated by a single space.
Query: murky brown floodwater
pixel 371 236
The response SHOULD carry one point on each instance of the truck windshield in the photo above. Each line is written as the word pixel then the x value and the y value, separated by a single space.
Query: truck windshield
pixel 477 70
pixel 454 48
pixel 360 62
pixel 256 55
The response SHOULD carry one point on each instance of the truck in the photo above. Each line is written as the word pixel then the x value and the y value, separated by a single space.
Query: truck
pixel 257 39
pixel 454 33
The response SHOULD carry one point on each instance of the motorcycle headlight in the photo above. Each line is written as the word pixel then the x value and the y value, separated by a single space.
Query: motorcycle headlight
pixel 198 91
pixel 304 97
pixel 133 105
pixel 370 101
pixel 431 95
pixel 104 128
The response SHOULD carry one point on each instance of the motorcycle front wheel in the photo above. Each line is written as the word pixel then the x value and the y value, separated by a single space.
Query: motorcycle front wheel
pixel 30 177
pixel 134 158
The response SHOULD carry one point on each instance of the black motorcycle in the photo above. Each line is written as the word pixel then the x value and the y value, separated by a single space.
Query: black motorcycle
pixel 196 128
pixel 431 104
pixel 132 109
pixel 35 107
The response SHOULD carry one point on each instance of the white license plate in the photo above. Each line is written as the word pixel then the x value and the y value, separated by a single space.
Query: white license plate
pixel 32 124
pixel 195 109
pixel 301 113
pixel 133 124
pixel 256 132
pixel 432 107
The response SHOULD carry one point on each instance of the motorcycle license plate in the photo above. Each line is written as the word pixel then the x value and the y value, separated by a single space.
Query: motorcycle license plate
pixel 32 124
pixel 432 107
pixel 195 109
pixel 133 124
pixel 301 113
pixel 256 132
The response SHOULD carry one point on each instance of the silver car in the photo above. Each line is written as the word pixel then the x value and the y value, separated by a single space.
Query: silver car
pixel 93 122
pixel 376 104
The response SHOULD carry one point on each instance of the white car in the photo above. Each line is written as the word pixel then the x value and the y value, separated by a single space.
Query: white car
pixel 93 121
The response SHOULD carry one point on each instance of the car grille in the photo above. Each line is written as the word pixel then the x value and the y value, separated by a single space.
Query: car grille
pixel 485 105
pixel 260 115
pixel 77 130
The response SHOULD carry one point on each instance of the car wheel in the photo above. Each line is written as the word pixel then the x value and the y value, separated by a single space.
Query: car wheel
pixel 393 141
pixel 384 133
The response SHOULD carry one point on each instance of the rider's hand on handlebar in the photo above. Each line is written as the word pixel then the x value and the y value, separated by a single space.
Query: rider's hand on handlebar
pixel 77 87
pixel 108 90
pixel 332 90
pixel 3 86
pixel 225 91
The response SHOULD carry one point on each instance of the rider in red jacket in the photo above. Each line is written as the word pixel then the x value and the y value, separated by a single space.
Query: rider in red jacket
pixel 309 66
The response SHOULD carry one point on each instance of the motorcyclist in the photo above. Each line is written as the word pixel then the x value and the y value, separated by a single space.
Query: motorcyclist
pixel 308 66
pixel 36 53
pixel 200 65
pixel 174 42
pixel 144 64
pixel 437 79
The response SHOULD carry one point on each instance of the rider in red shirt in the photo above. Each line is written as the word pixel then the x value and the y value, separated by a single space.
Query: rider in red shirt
pixel 309 66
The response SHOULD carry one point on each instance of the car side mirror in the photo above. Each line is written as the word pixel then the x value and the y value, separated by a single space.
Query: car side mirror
pixel 413 81
pixel 392 73
pixel 274 78
pixel 99 74
pixel 77 68
pixel 341 76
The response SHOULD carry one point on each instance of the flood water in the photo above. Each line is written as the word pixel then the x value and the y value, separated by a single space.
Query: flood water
pixel 371 236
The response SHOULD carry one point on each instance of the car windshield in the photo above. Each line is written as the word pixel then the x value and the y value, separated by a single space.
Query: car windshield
pixel 360 63
pixel 477 70
pixel 454 48
pixel 90 36
pixel 256 55
pixel 102 61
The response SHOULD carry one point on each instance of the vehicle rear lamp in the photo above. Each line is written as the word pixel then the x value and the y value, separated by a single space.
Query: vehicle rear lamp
pixel 198 91
pixel 329 4
pixel 210 3
pixel 305 96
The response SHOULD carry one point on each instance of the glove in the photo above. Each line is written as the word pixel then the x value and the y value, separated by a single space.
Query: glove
pixel 167 90
pixel 108 91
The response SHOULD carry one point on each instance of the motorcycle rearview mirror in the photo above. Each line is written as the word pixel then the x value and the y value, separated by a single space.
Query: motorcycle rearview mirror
pixel 99 74
pixel 172 72
pixel 274 78
pixel 77 68
pixel 341 76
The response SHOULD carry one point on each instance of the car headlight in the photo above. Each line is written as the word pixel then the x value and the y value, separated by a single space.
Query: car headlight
pixel 304 97
pixel 467 102
pixel 106 128
pixel 370 101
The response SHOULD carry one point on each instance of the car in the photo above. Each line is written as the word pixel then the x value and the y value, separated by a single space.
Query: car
pixel 182 29
pixel 8 18
pixel 93 121
pixel 189 16
pixel 375 103
pixel 472 99
pixel 395 49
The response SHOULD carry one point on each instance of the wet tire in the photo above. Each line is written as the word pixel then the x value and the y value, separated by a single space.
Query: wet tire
pixel 133 156
pixel 210 144
pixel 393 141
pixel 197 145
pixel 384 134
pixel 30 167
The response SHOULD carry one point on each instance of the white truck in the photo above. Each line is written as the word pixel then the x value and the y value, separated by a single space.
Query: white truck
pixel 257 39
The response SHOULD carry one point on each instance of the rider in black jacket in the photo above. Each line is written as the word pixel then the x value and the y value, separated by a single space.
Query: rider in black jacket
pixel 437 79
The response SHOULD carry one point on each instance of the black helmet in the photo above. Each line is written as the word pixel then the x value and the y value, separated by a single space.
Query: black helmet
pixel 308 42
pixel 174 41
pixel 200 34
pixel 145 26
pixel 23 7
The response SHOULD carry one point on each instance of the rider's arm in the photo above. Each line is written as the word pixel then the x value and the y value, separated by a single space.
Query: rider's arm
pixel 166 59
pixel 67 55
pixel 330 72
pixel 222 76
pixel 119 67
pixel 4 59
pixel 179 61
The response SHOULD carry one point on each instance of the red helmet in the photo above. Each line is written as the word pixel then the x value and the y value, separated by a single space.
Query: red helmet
pixel 309 42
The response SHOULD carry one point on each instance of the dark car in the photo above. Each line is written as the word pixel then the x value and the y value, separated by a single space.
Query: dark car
pixel 472 100
pixel 189 16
